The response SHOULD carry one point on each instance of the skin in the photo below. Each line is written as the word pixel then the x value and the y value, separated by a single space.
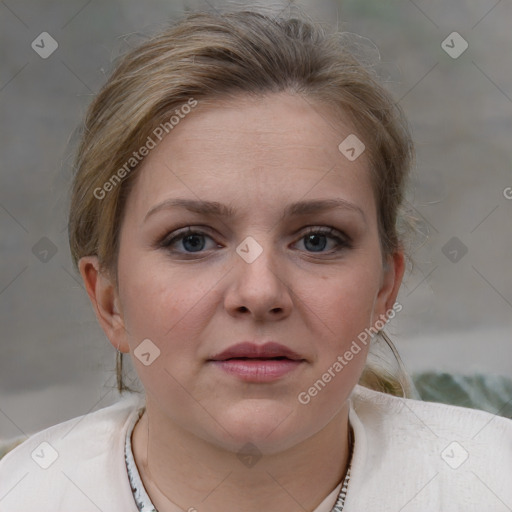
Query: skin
pixel 257 155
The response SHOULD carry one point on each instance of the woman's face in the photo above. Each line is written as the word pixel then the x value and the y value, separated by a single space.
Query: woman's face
pixel 279 268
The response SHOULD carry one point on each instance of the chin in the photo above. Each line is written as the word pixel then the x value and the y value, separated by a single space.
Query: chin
pixel 269 425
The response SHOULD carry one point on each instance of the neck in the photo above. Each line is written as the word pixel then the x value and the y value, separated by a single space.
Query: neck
pixel 183 472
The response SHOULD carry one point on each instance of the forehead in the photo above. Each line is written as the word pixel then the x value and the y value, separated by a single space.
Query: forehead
pixel 269 127
pixel 279 147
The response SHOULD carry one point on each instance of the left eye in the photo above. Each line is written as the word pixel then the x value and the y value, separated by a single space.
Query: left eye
pixel 315 240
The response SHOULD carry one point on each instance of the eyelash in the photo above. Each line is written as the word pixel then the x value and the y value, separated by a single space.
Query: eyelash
pixel 342 240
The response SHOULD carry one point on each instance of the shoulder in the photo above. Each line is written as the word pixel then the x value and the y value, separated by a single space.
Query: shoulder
pixel 429 453
pixel 69 466
pixel 407 414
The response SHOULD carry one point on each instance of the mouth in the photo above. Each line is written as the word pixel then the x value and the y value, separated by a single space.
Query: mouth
pixel 250 362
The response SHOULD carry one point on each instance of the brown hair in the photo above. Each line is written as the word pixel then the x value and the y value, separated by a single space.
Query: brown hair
pixel 207 56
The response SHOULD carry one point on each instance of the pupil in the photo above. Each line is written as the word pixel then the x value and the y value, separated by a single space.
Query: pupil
pixel 194 245
pixel 316 245
pixel 314 240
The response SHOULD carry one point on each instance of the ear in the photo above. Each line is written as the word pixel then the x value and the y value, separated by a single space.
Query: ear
pixel 393 273
pixel 105 301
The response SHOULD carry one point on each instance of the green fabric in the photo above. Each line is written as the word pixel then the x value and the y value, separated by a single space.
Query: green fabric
pixel 491 393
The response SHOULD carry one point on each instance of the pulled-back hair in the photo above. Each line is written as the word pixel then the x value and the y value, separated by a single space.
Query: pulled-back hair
pixel 208 56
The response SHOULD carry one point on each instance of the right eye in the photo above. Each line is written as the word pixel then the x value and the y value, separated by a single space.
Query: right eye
pixel 191 240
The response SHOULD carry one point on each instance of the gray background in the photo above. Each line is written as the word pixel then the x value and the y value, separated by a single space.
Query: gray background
pixel 55 362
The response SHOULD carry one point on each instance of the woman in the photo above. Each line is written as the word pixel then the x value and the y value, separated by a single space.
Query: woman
pixel 235 218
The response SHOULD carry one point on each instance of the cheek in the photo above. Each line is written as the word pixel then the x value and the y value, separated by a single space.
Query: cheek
pixel 344 301
pixel 162 318
pixel 168 307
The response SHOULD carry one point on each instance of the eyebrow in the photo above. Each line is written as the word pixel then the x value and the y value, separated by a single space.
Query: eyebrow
pixel 213 208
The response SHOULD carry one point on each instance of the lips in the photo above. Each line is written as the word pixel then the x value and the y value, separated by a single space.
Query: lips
pixel 250 362
pixel 249 350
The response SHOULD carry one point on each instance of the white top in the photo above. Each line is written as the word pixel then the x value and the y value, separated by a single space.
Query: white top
pixel 144 503
pixel 409 456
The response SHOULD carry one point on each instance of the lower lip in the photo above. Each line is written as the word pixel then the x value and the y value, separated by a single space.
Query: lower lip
pixel 258 370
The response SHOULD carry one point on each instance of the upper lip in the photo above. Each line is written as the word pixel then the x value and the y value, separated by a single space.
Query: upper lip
pixel 252 350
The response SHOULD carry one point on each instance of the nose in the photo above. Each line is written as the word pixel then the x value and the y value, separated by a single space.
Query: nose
pixel 258 286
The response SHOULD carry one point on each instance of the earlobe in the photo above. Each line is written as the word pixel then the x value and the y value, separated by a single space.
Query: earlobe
pixel 392 279
pixel 105 301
